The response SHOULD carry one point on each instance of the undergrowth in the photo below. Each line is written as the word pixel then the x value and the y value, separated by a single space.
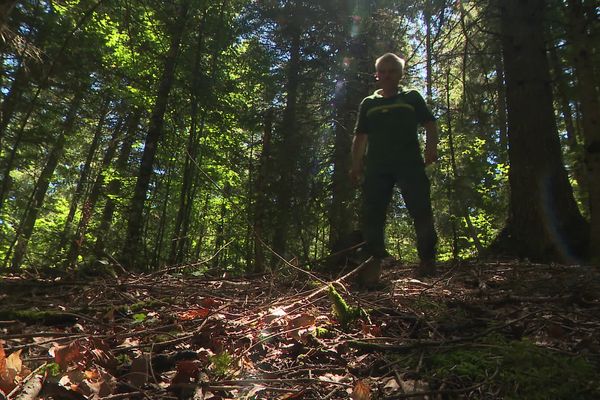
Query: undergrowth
pixel 515 370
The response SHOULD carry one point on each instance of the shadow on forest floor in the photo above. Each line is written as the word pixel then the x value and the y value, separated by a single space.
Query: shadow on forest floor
pixel 481 330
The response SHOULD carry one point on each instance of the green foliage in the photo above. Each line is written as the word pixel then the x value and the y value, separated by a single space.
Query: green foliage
pixel 229 98
pixel 52 369
pixel 521 370
pixel 221 364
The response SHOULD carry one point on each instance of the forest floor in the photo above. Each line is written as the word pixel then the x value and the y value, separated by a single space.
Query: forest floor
pixel 481 330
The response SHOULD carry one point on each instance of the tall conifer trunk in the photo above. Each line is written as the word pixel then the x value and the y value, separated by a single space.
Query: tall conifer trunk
pixel 349 92
pixel 288 156
pixel 113 189
pixel 41 187
pixel 582 22
pixel 83 179
pixel 544 222
pixel 131 252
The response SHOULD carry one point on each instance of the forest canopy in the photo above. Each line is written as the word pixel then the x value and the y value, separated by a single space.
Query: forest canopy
pixel 153 133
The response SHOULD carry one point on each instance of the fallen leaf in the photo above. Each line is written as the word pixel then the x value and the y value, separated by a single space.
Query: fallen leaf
pixel 329 377
pixel 187 371
pixel 67 354
pixel 138 376
pixel 371 329
pixel 10 368
pixel 392 384
pixel 274 313
pixel 361 391
pixel 210 302
pixel 301 321
pixel 197 313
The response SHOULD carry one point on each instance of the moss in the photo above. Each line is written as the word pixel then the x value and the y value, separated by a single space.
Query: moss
pixel 522 370
pixel 39 317
pixel 342 311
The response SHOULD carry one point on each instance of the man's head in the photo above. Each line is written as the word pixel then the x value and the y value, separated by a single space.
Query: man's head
pixel 389 68
pixel 390 61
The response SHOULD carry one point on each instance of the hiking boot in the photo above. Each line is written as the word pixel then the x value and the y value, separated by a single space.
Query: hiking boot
pixel 425 269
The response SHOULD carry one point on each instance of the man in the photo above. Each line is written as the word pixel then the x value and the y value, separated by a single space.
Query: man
pixel 387 122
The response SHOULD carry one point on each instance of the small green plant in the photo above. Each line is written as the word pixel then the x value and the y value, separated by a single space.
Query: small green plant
pixel 139 318
pixel 221 363
pixel 52 369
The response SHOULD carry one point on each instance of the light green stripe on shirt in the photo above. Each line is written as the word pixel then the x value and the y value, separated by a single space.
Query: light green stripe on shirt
pixel 388 107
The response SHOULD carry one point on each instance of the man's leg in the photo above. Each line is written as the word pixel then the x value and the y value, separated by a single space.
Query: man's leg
pixel 377 194
pixel 414 185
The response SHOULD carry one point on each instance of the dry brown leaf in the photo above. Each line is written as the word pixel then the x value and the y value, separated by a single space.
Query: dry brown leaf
pixel 138 376
pixel 67 354
pixel 10 369
pixel 302 321
pixel 197 313
pixel 210 302
pixel 371 329
pixel 186 371
pixel 296 324
pixel 392 384
pixel 361 391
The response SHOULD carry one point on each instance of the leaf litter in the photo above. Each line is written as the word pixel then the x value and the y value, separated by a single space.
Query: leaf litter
pixel 173 336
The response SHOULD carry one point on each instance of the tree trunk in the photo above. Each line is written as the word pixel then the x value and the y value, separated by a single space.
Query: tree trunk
pixel 89 204
pixel 12 98
pixel 260 202
pixel 572 134
pixel 501 108
pixel 114 186
pixel 587 87
pixel 350 90
pixel 83 178
pixel 288 156
pixel 5 9
pixel 29 218
pixel 131 251
pixel 544 222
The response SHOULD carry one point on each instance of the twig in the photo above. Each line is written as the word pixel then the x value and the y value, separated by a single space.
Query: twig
pixel 27 378
pixel 431 343
pixel 433 393
pixel 179 266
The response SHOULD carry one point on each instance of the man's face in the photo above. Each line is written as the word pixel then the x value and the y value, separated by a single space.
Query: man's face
pixel 388 74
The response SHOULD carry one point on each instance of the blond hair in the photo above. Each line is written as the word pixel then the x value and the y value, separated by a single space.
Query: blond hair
pixel 393 58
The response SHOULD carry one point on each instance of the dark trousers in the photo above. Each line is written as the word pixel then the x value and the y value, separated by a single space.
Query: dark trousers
pixel 377 194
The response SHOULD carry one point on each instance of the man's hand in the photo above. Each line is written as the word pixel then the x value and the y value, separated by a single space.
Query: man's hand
pixel 356 175
pixel 359 146
pixel 431 142
pixel 431 155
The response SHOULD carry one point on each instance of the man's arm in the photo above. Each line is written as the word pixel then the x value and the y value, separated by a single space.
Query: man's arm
pixel 431 142
pixel 359 146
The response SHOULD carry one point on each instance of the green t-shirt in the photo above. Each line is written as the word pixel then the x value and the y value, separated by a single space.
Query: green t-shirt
pixel 391 125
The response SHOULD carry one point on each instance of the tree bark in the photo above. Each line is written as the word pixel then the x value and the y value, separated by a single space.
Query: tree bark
pixel 114 186
pixel 89 205
pixel 83 179
pixel 12 98
pixel 130 254
pixel 41 187
pixel 288 156
pixel 582 23
pixel 350 90
pixel 544 222
pixel 573 141
pixel 5 9
pixel 260 201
